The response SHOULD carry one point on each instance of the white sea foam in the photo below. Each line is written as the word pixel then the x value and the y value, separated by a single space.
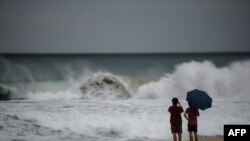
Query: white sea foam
pixel 67 94
pixel 119 120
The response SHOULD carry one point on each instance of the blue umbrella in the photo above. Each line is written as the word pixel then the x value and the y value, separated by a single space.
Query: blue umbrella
pixel 199 99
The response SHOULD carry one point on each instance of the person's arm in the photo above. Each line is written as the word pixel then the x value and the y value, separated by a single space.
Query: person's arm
pixel 198 113
pixel 186 115
pixel 179 103
pixel 181 109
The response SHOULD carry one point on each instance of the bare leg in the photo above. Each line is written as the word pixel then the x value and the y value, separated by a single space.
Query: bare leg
pixel 190 136
pixel 174 137
pixel 195 136
pixel 179 136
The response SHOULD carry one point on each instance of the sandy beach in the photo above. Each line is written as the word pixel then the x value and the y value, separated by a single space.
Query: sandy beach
pixel 213 138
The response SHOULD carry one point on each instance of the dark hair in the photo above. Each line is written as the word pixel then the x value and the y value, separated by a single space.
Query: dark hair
pixel 175 101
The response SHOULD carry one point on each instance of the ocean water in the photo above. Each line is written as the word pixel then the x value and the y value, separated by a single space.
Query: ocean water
pixel 122 97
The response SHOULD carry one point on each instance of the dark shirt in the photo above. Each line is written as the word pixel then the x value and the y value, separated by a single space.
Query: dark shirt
pixel 175 114
pixel 192 115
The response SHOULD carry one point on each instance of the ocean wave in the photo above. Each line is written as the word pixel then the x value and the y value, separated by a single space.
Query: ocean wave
pixel 105 86
pixel 232 81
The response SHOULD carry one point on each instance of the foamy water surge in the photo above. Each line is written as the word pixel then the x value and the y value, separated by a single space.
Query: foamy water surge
pixel 120 120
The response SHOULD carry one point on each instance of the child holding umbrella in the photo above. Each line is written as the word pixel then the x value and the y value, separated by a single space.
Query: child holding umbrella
pixel 197 99
pixel 191 114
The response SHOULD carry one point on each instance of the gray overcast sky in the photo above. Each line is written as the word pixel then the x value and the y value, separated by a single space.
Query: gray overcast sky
pixel 124 26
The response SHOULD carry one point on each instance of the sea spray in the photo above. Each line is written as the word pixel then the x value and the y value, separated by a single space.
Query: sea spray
pixel 226 82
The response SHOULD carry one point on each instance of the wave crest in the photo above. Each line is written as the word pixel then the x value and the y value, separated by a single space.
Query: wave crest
pixel 105 86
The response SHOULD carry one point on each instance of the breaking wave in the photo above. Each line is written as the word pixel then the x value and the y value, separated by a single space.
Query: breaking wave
pixel 105 86
pixel 227 82
pixel 232 81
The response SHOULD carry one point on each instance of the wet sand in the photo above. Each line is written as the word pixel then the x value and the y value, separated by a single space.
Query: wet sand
pixel 213 138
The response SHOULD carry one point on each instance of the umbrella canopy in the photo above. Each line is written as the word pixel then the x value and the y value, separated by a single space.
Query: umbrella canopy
pixel 199 99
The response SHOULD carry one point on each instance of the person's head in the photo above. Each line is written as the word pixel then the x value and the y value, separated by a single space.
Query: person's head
pixel 175 101
pixel 191 106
